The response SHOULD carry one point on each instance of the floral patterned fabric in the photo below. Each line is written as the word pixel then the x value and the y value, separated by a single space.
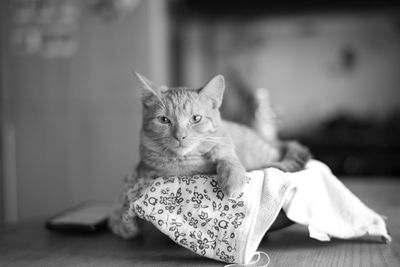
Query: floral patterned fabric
pixel 195 213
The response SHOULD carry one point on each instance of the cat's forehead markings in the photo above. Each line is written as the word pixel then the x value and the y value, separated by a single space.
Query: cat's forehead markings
pixel 180 101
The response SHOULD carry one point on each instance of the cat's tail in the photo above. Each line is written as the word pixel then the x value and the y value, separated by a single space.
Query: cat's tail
pixel 265 122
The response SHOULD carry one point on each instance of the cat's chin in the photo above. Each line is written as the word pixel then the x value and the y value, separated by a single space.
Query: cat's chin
pixel 182 151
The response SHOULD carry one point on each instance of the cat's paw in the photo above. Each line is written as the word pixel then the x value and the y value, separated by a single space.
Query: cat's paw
pixel 298 153
pixel 231 178
pixel 295 159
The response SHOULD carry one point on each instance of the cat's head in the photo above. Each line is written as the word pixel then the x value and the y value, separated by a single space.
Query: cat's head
pixel 179 120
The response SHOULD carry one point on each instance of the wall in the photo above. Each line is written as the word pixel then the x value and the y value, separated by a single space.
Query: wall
pixel 76 121
pixel 313 65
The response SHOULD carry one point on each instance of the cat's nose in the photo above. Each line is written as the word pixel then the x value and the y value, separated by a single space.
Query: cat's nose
pixel 179 133
pixel 179 137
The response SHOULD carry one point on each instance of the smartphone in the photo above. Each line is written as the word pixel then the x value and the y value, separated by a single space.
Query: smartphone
pixel 89 216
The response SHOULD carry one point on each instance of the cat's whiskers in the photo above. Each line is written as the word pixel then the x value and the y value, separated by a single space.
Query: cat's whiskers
pixel 212 139
pixel 160 140
pixel 164 149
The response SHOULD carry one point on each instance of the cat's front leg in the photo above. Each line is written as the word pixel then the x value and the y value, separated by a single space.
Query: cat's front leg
pixel 230 172
pixel 231 177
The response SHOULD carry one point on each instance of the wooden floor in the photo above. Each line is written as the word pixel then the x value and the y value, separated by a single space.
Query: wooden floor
pixel 29 244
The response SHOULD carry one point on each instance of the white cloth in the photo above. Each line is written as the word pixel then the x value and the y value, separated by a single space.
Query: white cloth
pixel 193 211
pixel 317 199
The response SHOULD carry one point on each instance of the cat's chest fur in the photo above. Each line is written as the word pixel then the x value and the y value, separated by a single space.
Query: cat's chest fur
pixel 155 164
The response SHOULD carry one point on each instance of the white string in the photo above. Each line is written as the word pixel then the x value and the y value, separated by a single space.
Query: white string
pixel 253 262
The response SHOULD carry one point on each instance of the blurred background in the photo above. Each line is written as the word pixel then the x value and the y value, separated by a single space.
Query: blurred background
pixel 71 116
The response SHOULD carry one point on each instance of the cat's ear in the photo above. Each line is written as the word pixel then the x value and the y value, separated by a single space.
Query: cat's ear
pixel 148 86
pixel 214 90
pixel 149 89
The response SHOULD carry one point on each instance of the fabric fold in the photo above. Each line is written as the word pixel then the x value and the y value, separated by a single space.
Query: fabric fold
pixel 329 208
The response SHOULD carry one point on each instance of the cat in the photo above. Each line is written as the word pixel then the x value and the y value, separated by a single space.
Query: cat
pixel 183 134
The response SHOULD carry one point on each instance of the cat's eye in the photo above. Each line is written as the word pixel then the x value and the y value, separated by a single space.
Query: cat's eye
pixel 164 119
pixel 196 118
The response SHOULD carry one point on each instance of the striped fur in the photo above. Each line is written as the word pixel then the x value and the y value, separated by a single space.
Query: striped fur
pixel 185 147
